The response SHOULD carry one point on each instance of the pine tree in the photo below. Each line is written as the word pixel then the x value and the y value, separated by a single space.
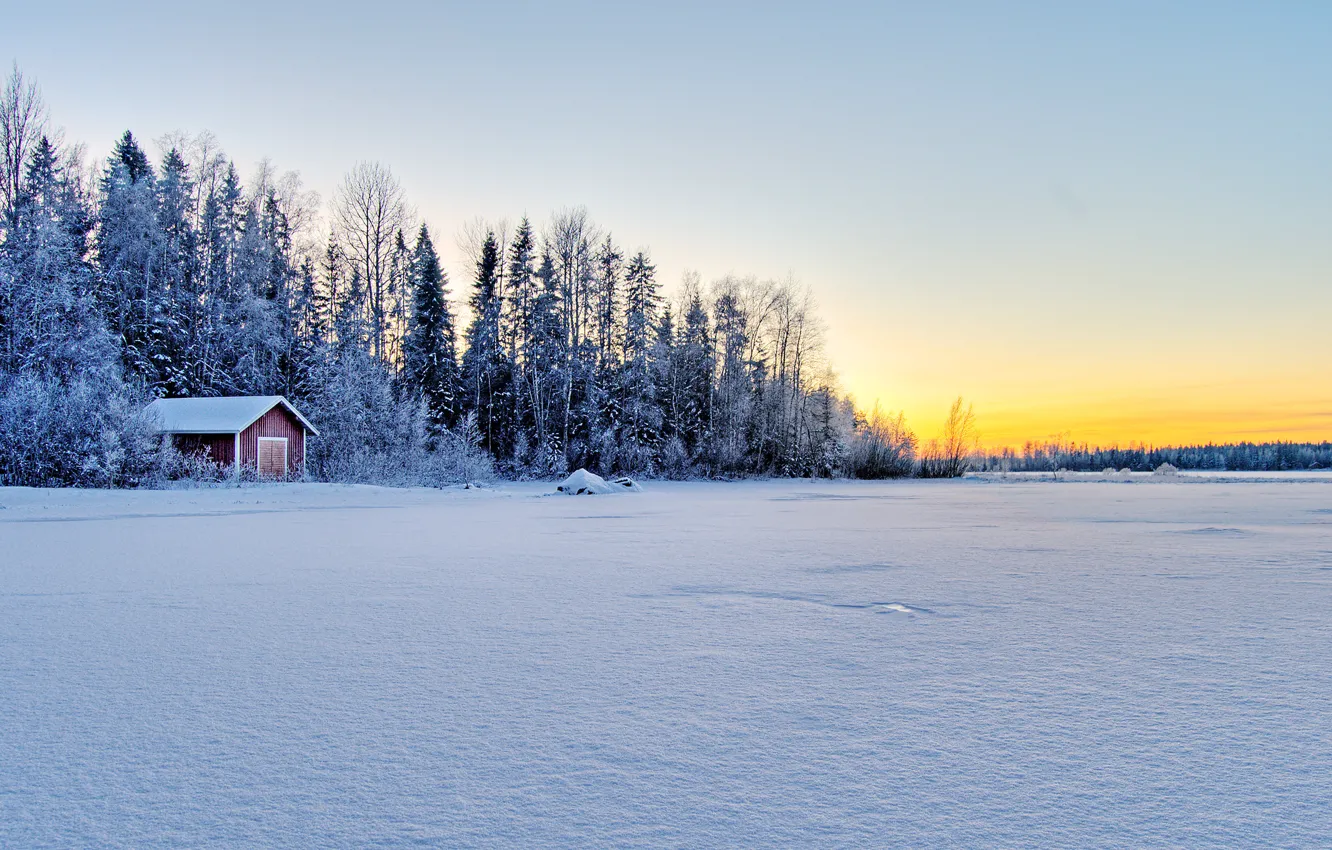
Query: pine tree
pixel 350 329
pixel 522 295
pixel 639 426
pixel 608 260
pixel 311 328
pixel 732 400
pixel 662 361
pixel 696 373
pixel 50 323
pixel 280 292
pixel 129 252
pixel 331 273
pixel 430 359
pixel 523 290
pixel 175 328
pixel 253 355
pixel 400 294
pixel 484 366
pixel 545 357
pixel 212 347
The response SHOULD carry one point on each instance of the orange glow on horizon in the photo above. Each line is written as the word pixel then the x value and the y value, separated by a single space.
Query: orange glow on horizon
pixel 1259 412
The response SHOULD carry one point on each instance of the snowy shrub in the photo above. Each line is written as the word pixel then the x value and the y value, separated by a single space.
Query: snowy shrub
pixel 675 459
pixel 367 436
pixel 455 456
pixel 956 452
pixel 85 432
pixel 544 460
pixel 176 467
pixel 882 447
pixel 1165 470
pixel 628 455
pixel 1108 472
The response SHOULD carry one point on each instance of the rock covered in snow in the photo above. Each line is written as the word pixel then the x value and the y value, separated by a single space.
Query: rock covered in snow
pixel 584 483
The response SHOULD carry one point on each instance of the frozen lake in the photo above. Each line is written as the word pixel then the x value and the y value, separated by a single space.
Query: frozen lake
pixel 781 664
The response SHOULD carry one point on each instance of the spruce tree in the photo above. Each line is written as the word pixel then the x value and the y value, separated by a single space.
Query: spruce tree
pixel 546 360
pixel 484 364
pixel 50 323
pixel 129 252
pixel 522 288
pixel 608 260
pixel 522 295
pixel 176 325
pixel 430 361
pixel 639 426
pixel 696 370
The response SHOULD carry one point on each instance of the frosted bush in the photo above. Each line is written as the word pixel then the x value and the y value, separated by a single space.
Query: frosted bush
pixel 1165 470
pixel 85 432
pixel 367 436
pixel 175 467
pixel 882 447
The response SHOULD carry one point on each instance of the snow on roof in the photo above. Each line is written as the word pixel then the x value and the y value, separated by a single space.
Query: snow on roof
pixel 226 415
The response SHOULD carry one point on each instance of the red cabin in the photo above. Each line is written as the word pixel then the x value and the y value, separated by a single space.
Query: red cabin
pixel 262 433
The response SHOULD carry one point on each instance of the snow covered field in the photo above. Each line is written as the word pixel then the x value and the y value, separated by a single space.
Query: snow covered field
pixel 785 664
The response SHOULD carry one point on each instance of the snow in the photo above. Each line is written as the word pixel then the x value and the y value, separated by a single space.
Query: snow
pixel 970 663
pixel 222 415
pixel 627 483
pixel 584 483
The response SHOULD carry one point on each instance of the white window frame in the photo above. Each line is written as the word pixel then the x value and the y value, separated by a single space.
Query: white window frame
pixel 258 456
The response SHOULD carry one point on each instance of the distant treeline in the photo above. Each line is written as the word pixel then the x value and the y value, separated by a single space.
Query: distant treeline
pixel 1260 457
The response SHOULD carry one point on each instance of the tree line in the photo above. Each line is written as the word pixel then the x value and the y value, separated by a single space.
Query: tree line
pixel 141 277
pixel 1053 455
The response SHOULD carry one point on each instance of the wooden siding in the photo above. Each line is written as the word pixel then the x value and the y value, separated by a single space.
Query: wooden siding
pixel 278 422
pixel 221 448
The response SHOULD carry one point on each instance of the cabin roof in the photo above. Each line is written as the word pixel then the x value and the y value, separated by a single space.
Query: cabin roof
pixel 223 415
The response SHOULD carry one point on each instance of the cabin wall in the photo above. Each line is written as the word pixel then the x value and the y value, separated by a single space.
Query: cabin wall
pixel 221 448
pixel 278 422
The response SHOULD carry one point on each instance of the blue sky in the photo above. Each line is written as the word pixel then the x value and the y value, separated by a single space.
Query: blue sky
pixel 1110 219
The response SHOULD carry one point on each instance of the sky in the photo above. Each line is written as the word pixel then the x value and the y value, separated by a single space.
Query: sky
pixel 1104 221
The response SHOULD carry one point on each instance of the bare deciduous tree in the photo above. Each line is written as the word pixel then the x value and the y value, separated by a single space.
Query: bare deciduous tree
pixel 22 122
pixel 570 237
pixel 950 456
pixel 369 210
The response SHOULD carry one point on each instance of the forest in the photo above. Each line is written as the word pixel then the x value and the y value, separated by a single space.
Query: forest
pixel 171 275
pixel 146 276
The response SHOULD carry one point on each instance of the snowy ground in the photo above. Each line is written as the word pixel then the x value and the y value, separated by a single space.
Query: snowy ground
pixel 977 663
